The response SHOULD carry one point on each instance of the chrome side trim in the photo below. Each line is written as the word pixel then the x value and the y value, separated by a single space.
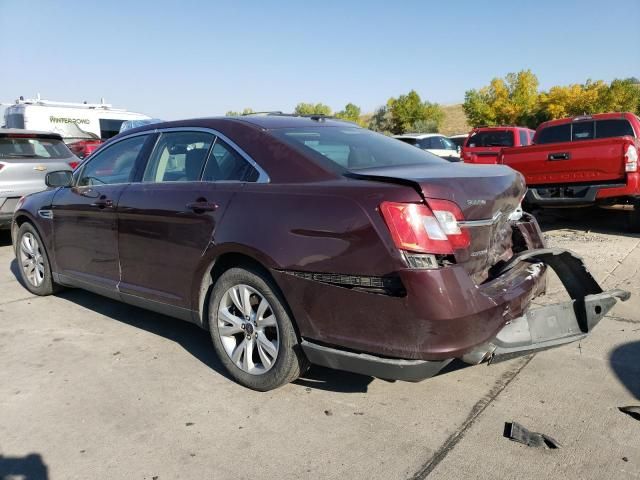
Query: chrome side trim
pixel 481 223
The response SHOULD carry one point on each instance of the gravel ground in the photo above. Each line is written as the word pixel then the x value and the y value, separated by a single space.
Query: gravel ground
pixel 91 388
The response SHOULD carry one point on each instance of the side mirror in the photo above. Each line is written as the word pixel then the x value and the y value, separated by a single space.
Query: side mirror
pixel 61 178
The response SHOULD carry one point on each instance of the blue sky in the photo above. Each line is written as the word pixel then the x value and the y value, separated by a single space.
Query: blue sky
pixel 177 59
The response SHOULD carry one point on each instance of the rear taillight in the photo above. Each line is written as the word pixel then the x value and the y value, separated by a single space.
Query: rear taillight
pixel 73 165
pixel 426 229
pixel 631 159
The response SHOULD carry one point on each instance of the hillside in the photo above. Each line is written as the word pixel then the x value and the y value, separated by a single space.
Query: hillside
pixel 454 120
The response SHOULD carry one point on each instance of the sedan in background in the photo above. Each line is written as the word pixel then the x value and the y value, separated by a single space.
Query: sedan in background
pixel 304 240
pixel 25 158
pixel 433 143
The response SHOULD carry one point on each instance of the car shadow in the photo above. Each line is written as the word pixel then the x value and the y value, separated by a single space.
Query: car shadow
pixel 5 238
pixel 625 363
pixel 591 219
pixel 29 467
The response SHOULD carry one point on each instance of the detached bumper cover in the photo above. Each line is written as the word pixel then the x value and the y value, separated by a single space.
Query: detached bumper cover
pixel 552 325
pixel 537 329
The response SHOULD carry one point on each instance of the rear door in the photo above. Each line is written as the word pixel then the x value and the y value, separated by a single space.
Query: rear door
pixel 84 216
pixel 168 220
pixel 569 152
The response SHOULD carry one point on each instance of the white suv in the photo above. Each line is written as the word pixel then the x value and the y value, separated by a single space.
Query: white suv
pixel 434 143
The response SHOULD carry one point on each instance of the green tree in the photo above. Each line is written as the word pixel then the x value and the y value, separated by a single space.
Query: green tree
pixel 231 113
pixel 351 113
pixel 408 109
pixel 512 100
pixel 312 109
pixel 381 120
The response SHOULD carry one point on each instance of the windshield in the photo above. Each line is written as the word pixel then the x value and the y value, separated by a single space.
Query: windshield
pixel 354 148
pixel 491 138
pixel 20 147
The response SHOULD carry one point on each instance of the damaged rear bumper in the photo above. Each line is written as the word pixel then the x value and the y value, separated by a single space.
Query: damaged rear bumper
pixel 552 325
pixel 536 329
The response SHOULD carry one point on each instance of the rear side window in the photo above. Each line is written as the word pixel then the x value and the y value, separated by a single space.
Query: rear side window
pixel 413 141
pixel 178 157
pixel 491 138
pixel 555 134
pixel 613 128
pixel 114 164
pixel 582 131
pixel 22 147
pixel 225 164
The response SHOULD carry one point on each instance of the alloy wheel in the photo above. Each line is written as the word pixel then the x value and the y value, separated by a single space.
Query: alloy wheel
pixel 248 329
pixel 31 259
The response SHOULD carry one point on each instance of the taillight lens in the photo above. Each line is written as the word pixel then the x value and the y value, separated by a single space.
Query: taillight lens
pixel 631 159
pixel 417 228
pixel 73 165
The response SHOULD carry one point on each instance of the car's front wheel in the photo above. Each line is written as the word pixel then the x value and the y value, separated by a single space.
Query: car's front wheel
pixel 33 261
pixel 252 331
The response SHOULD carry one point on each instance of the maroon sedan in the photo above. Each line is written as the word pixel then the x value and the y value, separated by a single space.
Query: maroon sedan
pixel 298 240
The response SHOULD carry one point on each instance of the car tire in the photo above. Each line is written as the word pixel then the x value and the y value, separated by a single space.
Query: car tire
pixel 252 331
pixel 33 262
pixel 634 217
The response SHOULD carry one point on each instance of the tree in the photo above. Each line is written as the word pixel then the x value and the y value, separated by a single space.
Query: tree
pixel 424 126
pixel 311 109
pixel 231 113
pixel 351 113
pixel 381 120
pixel 408 109
pixel 509 101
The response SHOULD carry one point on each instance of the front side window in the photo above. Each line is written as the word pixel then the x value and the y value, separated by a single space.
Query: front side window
pixel 114 164
pixel 353 148
pixel 448 144
pixel 555 134
pixel 524 138
pixel 178 157
pixel 225 164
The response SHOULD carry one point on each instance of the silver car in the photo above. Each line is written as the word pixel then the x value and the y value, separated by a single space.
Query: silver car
pixel 25 158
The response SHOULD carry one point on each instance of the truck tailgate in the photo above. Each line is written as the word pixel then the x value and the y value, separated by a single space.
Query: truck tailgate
pixel 586 161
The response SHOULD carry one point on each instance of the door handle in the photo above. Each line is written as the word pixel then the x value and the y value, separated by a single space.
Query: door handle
pixel 202 206
pixel 559 156
pixel 103 202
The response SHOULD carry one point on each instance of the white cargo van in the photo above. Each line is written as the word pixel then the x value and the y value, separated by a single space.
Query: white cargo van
pixel 72 121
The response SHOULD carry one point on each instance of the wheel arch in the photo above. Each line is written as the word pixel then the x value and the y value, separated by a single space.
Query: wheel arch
pixel 220 264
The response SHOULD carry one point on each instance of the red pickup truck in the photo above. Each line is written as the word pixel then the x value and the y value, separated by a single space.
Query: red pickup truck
pixel 484 143
pixel 587 160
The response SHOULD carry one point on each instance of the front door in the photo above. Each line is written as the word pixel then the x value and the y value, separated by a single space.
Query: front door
pixel 84 217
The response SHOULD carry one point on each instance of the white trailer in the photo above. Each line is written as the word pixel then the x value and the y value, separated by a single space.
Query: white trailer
pixel 73 121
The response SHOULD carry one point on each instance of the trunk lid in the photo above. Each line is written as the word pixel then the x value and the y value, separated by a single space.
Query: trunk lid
pixel 599 160
pixel 483 155
pixel 486 195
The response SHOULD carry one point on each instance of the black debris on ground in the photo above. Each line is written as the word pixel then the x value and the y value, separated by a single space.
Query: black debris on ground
pixel 517 433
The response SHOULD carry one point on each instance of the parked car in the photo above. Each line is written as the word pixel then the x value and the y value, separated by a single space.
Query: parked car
pixel 84 148
pixel 25 158
pixel 586 160
pixel 484 144
pixel 433 143
pixel 296 240
pixel 458 140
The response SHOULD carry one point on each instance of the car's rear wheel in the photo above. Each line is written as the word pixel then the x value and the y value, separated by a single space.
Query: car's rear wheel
pixel 33 262
pixel 252 331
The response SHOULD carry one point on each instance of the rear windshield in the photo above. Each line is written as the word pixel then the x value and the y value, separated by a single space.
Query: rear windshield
pixel 21 147
pixel 354 148
pixel 585 130
pixel 491 138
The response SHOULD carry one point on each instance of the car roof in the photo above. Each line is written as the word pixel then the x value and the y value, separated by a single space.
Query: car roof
pixel 418 135
pixel 21 131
